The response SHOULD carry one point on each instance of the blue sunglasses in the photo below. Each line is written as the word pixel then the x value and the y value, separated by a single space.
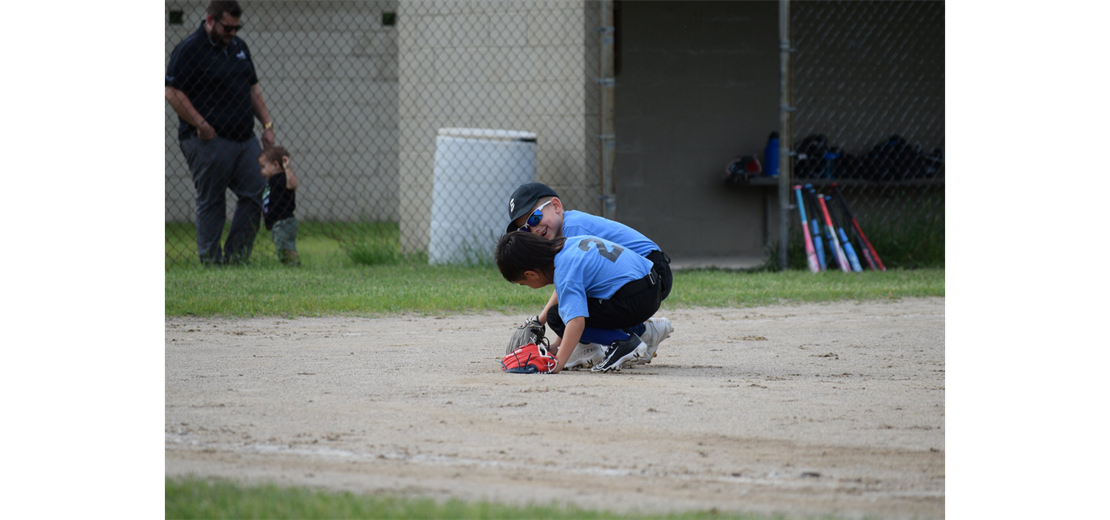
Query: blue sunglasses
pixel 534 218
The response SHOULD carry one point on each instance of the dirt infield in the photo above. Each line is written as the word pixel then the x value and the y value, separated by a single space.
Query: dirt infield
pixel 804 410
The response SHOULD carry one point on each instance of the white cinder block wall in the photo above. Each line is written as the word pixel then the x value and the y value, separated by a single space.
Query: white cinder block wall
pixel 514 65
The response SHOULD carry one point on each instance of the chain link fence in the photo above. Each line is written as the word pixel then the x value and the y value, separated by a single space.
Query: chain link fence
pixel 868 88
pixel 409 123
pixel 379 122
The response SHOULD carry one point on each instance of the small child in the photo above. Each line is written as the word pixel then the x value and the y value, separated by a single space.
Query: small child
pixel 278 202
pixel 535 208
pixel 603 290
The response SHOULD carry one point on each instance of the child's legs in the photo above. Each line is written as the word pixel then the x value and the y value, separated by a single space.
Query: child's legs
pixel 661 263
pixel 284 234
pixel 624 311
pixel 589 335
pixel 608 317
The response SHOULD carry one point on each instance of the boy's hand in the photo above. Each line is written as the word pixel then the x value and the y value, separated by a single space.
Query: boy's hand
pixel 291 181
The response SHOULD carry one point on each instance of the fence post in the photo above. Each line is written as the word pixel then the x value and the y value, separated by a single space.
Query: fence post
pixel 608 139
pixel 786 144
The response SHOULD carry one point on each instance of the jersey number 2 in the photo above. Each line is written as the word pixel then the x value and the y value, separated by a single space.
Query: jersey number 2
pixel 611 255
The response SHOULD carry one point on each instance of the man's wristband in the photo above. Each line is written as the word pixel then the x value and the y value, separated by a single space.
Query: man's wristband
pixel 268 126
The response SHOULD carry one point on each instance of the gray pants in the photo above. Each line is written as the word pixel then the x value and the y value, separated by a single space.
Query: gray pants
pixel 284 234
pixel 217 166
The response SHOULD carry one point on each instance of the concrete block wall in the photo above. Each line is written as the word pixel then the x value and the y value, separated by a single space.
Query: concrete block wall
pixel 329 74
pixel 512 65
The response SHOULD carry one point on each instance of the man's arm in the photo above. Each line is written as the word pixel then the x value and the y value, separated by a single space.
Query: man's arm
pixel 258 106
pixel 185 109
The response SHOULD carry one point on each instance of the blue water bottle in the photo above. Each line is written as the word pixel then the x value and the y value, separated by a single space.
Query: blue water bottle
pixel 771 156
pixel 830 164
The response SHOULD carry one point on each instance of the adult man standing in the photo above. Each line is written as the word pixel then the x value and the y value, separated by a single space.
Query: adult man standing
pixel 211 84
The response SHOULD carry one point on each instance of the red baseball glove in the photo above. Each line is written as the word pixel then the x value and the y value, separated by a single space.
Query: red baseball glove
pixel 529 359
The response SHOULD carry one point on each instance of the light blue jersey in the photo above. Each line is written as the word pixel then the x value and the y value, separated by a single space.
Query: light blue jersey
pixel 592 267
pixel 577 223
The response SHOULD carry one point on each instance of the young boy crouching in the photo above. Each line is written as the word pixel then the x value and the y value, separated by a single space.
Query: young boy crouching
pixel 602 286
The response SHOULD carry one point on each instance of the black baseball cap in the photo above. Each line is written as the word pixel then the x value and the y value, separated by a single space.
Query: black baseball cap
pixel 524 198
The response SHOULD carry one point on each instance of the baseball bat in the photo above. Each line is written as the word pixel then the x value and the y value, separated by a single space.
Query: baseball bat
pixel 862 247
pixel 838 252
pixel 865 247
pixel 849 251
pixel 811 254
pixel 817 243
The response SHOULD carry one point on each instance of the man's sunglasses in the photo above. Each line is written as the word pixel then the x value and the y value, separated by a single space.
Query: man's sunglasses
pixel 534 218
pixel 230 28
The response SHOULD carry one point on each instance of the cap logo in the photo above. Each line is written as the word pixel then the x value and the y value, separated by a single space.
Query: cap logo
pixel 512 205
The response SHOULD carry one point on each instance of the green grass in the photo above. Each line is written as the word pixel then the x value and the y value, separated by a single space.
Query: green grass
pixel 313 290
pixel 374 243
pixel 719 288
pixel 365 274
pixel 189 498
pixel 910 244
pixel 338 285
pixel 368 243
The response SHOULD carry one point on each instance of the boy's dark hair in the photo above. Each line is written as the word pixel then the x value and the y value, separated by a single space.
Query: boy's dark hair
pixel 217 8
pixel 274 154
pixel 519 251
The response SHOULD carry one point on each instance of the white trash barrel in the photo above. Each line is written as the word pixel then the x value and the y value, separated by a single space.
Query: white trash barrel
pixel 476 171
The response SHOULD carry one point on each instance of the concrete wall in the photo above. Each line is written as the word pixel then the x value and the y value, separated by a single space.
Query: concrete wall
pixel 697 85
pixel 328 71
pixel 513 65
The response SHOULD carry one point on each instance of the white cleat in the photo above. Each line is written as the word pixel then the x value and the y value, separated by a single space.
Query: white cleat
pixel 655 331
pixel 585 355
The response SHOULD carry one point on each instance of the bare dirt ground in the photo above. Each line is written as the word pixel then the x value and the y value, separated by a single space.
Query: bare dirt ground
pixel 803 410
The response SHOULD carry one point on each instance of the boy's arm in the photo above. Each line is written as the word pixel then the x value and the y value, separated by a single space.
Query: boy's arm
pixel 569 342
pixel 291 181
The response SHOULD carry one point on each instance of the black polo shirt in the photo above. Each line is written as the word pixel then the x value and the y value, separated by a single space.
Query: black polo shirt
pixel 217 81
